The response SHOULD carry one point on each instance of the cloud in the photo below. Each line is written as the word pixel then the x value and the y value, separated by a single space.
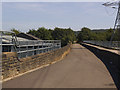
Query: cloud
pixel 25 15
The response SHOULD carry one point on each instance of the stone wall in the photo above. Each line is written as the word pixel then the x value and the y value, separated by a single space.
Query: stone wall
pixel 12 66
pixel 111 61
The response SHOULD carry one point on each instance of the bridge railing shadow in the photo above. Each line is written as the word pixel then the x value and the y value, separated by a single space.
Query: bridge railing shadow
pixel 110 60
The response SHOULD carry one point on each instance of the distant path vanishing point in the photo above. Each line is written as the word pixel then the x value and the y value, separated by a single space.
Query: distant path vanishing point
pixel 79 69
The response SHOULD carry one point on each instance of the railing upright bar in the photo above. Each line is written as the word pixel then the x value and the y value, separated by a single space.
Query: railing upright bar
pixel 108 44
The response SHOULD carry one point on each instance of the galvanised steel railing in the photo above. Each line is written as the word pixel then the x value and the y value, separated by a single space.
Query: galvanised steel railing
pixel 107 44
pixel 10 43
pixel 33 47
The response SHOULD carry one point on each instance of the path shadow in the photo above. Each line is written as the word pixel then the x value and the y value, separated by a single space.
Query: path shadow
pixel 78 48
pixel 111 61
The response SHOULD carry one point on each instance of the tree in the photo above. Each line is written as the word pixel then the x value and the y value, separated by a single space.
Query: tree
pixel 116 35
pixel 84 34
pixel 15 31
pixel 65 35
pixel 87 34
pixel 41 33
pixel 109 33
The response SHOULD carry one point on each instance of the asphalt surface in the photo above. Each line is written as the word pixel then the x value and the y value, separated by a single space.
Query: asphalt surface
pixel 79 69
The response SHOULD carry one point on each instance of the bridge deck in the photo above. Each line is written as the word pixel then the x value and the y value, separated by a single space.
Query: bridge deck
pixel 79 69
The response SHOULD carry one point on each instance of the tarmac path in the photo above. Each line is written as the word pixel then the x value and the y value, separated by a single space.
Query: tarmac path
pixel 79 69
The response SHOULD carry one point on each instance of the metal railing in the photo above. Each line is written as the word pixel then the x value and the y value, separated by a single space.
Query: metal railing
pixel 33 47
pixel 27 47
pixel 107 44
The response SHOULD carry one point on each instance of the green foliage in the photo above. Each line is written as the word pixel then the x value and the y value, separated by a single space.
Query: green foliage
pixel 15 31
pixel 109 33
pixel 68 35
pixel 41 33
pixel 87 34
pixel 84 34
pixel 117 35
pixel 65 35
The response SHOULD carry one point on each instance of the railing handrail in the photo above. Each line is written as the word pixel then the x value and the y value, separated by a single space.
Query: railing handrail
pixel 107 44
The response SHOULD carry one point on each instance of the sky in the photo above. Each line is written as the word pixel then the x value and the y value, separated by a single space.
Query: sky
pixel 32 15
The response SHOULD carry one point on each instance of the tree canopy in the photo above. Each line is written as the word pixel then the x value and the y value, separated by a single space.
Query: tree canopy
pixel 65 35
pixel 41 33
pixel 88 34
pixel 15 31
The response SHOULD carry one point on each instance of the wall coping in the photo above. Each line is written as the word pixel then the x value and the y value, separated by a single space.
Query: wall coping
pixel 102 48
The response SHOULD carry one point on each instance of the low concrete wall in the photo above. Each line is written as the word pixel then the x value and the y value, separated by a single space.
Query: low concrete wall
pixel 12 66
pixel 110 59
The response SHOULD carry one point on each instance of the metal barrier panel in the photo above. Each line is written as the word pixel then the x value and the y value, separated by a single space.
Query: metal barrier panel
pixel 107 44
pixel 28 47
pixel 33 47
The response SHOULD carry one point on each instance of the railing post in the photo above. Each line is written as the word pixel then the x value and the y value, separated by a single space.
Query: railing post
pixel 0 43
pixel 0 59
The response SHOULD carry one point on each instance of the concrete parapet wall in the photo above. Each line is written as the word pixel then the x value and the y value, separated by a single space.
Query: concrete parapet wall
pixel 12 66
pixel 110 59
